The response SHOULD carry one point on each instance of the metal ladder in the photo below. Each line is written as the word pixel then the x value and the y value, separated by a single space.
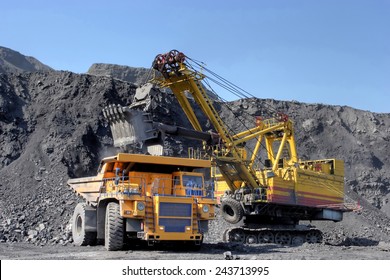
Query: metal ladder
pixel 150 222
pixel 195 217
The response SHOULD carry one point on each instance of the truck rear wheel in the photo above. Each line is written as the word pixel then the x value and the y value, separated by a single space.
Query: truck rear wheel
pixel 80 236
pixel 114 228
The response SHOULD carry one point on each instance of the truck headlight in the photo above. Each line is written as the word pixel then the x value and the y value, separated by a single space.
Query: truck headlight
pixel 140 206
pixel 205 208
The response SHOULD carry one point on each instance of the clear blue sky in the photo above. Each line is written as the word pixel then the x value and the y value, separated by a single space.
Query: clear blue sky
pixel 330 51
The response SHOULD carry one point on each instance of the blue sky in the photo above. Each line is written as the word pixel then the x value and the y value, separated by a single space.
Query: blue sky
pixel 332 52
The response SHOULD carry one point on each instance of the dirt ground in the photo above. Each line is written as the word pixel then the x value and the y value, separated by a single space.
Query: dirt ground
pixel 209 251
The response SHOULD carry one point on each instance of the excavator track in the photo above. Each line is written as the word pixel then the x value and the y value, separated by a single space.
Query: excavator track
pixel 287 237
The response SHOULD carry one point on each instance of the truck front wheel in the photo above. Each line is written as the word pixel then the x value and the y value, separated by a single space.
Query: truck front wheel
pixel 114 228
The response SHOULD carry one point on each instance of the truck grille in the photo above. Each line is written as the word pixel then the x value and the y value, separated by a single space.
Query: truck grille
pixel 175 210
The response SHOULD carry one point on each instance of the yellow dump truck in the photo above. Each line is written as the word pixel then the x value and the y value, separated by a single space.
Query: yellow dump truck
pixel 147 198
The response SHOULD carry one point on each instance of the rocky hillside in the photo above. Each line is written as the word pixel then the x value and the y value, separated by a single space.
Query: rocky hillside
pixel 52 128
pixel 14 62
pixel 133 75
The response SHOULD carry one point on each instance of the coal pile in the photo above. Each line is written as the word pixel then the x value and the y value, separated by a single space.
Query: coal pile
pixel 52 129
pixel 133 75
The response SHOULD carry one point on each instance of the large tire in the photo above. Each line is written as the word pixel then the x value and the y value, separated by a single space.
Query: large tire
pixel 232 210
pixel 114 228
pixel 80 236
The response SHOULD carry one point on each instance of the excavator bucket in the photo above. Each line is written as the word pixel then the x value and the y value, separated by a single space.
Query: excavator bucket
pixel 132 130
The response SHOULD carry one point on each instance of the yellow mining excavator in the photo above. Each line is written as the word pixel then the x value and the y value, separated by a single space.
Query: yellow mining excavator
pixel 269 201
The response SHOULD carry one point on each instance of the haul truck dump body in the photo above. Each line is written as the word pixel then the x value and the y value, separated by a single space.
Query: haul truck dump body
pixel 138 197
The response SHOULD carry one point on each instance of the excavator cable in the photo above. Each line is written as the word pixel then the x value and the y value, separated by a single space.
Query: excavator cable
pixel 238 91
pixel 147 78
pixel 199 67
pixel 238 117
pixel 231 87
pixel 225 103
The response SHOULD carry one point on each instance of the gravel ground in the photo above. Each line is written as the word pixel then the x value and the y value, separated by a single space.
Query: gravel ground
pixel 209 251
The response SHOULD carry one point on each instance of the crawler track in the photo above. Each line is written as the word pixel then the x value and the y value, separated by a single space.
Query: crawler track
pixel 294 237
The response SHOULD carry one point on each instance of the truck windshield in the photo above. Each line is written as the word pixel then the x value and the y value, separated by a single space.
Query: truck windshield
pixel 193 184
